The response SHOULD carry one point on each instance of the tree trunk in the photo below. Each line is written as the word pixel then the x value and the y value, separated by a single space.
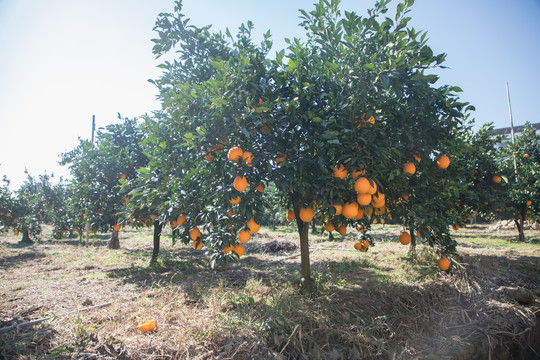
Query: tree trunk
pixel 520 222
pixel 26 238
pixel 330 236
pixel 412 248
pixel 305 267
pixel 313 228
pixel 114 242
pixel 157 235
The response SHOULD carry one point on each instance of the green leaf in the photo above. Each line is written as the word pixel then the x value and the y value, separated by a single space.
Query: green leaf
pixel 292 64
pixel 369 66
pixel 279 57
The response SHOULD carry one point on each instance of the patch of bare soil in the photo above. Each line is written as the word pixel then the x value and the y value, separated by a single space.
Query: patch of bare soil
pixel 486 307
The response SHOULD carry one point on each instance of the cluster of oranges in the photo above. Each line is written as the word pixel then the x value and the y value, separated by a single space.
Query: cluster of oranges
pixel 369 200
pixel 240 184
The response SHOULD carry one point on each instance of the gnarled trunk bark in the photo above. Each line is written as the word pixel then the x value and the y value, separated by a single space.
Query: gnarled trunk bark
pixel 114 242
pixel 520 223
pixel 26 238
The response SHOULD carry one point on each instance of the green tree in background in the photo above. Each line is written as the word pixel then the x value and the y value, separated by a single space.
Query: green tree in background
pixel 98 170
pixel 522 178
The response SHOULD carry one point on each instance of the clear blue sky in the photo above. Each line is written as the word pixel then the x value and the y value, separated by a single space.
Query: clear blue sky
pixel 61 61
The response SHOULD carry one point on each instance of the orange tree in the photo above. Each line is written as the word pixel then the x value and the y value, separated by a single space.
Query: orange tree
pixel 26 210
pixel 481 172
pixel 145 206
pixel 521 185
pixel 98 170
pixel 331 120
pixel 6 206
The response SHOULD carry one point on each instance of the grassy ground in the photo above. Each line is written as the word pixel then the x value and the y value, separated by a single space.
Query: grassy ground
pixel 378 304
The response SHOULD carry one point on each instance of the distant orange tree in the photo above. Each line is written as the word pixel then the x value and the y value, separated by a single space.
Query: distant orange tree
pixel 332 121
pixel 520 172
pixel 22 210
pixel 98 171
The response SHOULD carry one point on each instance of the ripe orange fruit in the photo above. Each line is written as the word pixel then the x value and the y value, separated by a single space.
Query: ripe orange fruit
pixel 209 157
pixel 253 226
pixel 239 249
pixel 235 153
pixel 174 224
pixel 361 213
pixel 362 185
pixel 357 173
pixel 307 214
pixel 235 200
pixel 496 179
pixel 409 168
pixel 342 230
pixel 153 216
pixel 181 219
pixel 363 199
pixel 260 188
pixel 364 244
pixel 195 233
pixel 117 227
pixel 444 264
pixel 197 245
pixel 350 210
pixel 529 202
pixel 339 209
pixel 340 172
pixel 329 227
pixel 280 158
pixel 148 325
pixel 378 198
pixel 227 249
pixel 240 183
pixel 358 245
pixel 416 157
pixel 369 211
pixel 526 156
pixel 244 236
pixel 290 215
pixel 404 238
pixel 247 157
pixel 443 161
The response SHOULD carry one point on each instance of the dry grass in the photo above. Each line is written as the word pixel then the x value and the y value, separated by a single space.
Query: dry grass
pixel 378 304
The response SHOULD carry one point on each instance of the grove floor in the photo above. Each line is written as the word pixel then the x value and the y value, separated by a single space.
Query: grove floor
pixel 378 304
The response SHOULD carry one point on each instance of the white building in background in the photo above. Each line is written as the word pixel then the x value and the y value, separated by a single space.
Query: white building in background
pixel 507 132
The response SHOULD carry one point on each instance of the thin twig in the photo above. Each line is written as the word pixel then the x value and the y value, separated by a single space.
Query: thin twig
pixel 290 337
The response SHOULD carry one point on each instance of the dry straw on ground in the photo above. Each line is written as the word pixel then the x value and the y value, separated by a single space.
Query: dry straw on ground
pixel 377 304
